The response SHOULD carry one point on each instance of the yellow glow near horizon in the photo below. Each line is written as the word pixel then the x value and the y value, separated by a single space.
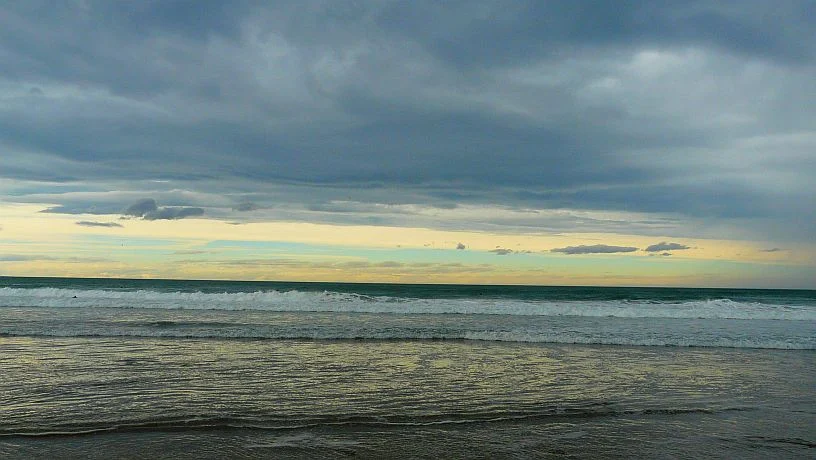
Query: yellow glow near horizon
pixel 28 232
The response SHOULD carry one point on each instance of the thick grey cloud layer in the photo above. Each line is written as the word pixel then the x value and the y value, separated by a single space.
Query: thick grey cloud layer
pixel 594 249
pixel 684 110
pixel 245 207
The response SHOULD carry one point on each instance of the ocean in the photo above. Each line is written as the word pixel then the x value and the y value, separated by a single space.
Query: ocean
pixel 108 368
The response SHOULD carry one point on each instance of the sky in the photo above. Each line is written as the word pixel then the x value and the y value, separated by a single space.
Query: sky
pixel 653 143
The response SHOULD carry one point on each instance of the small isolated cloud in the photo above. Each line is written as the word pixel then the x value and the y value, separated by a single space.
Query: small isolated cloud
pixel 665 246
pixel 501 251
pixel 87 223
pixel 460 246
pixel 666 254
pixel 771 250
pixel 148 210
pixel 594 249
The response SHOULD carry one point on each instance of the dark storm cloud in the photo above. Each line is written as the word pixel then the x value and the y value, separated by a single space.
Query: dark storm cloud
pixel 86 223
pixel 665 246
pixel 536 28
pixel 594 249
pixel 655 107
pixel 460 246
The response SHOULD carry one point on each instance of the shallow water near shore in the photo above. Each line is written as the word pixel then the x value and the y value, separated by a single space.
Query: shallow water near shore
pixel 200 398
pixel 319 373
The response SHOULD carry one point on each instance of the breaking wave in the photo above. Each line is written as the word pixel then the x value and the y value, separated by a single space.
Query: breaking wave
pixel 329 301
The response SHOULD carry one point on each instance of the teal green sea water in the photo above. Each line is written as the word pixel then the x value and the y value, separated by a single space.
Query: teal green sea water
pixel 212 369
pixel 780 296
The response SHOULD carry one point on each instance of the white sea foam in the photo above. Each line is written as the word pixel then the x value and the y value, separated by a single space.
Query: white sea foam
pixel 348 302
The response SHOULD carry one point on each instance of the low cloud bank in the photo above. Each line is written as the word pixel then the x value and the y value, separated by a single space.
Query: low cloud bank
pixel 16 258
pixel 594 249
pixel 87 223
